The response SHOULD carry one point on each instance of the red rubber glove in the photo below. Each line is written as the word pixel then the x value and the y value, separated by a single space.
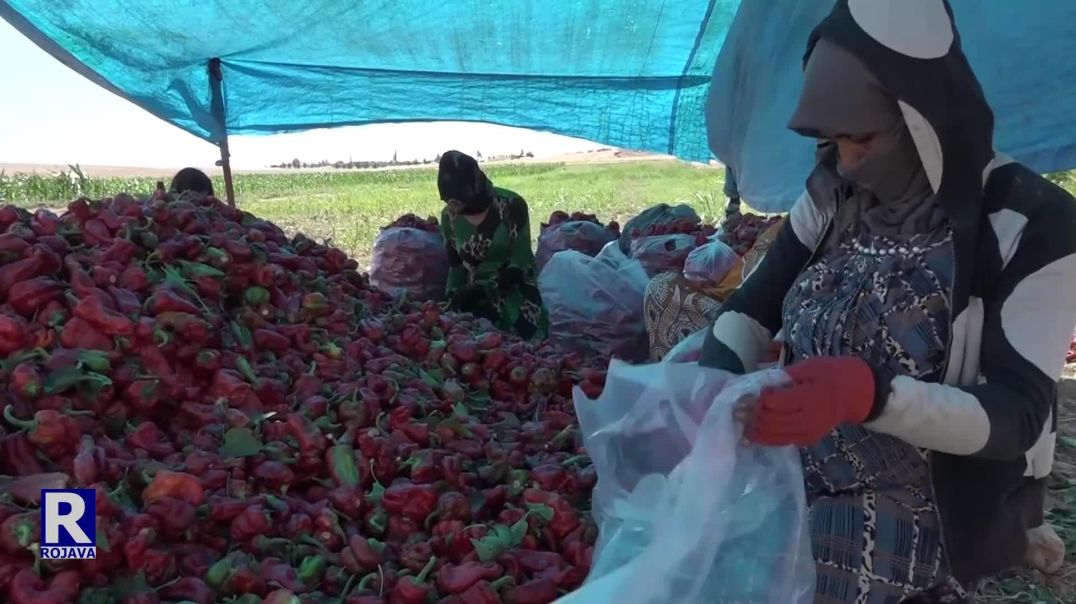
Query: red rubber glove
pixel 825 392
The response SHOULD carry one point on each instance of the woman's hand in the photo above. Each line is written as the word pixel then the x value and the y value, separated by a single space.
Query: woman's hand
pixel 825 392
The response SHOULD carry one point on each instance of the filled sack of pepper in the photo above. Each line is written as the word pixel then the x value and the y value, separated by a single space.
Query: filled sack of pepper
pixel 652 220
pixel 663 253
pixel 410 260
pixel 709 263
pixel 586 236
pixel 596 304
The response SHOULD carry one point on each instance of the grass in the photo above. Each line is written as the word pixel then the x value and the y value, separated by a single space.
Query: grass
pixel 349 207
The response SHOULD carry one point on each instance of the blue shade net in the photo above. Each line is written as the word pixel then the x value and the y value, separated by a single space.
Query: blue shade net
pixel 632 73
pixel 1023 53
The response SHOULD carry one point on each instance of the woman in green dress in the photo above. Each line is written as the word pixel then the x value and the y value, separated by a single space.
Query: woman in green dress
pixel 487 235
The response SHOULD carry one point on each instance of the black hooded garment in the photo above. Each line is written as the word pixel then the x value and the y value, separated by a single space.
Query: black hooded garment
pixel 991 421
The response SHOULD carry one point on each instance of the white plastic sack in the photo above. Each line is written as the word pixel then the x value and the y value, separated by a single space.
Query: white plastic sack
pixel 709 263
pixel 685 513
pixel 663 253
pixel 410 261
pixel 596 304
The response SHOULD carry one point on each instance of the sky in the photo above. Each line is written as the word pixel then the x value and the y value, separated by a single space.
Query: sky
pixel 51 115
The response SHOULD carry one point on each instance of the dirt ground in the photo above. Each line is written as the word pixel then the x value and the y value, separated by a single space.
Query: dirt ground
pixel 1030 587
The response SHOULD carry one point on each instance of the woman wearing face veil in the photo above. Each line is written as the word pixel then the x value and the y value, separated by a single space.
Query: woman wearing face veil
pixel 487 235
pixel 926 290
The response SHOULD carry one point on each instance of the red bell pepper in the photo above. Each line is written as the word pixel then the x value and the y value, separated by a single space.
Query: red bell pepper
pixel 367 553
pixel 167 300
pixel 412 501
pixel 14 334
pixel 26 380
pixel 95 233
pixel 271 340
pixel 93 310
pixel 306 433
pixel 137 546
pixel 79 333
pixel 179 485
pixel 85 465
pixel 26 297
pixel 273 571
pixel 133 278
pixel 127 301
pixel 18 531
pixel 454 579
pixel 49 429
pixel 250 523
pixel 273 474
pixel 484 592
pixel 19 270
pixel 28 588
pixel 175 515
pixel 18 455
pixel 413 590
pixel 158 564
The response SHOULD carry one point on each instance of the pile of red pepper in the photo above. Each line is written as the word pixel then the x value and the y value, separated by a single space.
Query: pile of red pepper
pixel 412 221
pixel 700 231
pixel 559 217
pixel 740 232
pixel 261 425
pixel 576 231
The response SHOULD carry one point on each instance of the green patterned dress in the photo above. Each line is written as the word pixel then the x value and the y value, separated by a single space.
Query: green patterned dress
pixel 479 253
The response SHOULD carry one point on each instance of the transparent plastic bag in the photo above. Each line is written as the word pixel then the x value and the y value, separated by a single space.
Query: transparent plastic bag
pixel 661 213
pixel 663 253
pixel 579 235
pixel 595 304
pixel 710 262
pixel 686 514
pixel 410 261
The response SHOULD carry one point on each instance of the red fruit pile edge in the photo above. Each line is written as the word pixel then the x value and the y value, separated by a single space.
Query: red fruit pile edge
pixel 412 221
pixel 740 232
pixel 256 419
pixel 701 232
pixel 559 217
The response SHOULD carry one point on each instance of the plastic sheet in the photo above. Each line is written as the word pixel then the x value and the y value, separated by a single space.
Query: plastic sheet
pixel 410 262
pixel 685 513
pixel 579 235
pixel 663 253
pixel 709 263
pixel 596 304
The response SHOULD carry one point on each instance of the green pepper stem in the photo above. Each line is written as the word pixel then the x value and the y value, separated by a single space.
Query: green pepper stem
pixel 347 587
pixel 421 578
pixel 502 582
pixel 22 424
pixel 364 582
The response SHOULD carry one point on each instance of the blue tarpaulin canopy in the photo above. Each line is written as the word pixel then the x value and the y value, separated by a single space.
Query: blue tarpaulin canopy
pixel 630 73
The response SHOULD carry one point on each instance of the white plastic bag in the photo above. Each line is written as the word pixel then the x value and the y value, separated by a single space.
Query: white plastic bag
pixel 709 263
pixel 410 261
pixel 663 253
pixel 596 304
pixel 685 513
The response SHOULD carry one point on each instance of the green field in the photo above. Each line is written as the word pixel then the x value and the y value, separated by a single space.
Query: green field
pixel 349 207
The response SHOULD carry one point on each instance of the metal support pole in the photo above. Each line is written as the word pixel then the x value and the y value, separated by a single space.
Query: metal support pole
pixel 216 82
